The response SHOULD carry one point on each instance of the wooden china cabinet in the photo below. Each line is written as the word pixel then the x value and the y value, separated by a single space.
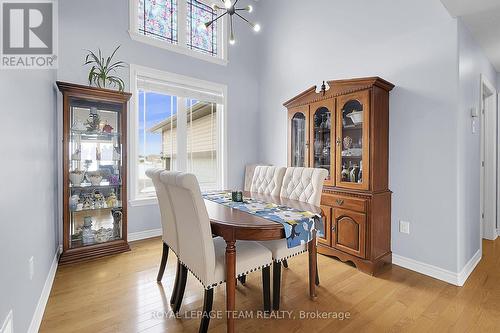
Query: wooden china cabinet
pixel 345 130
pixel 94 172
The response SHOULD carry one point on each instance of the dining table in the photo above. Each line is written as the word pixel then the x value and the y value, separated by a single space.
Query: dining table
pixel 234 225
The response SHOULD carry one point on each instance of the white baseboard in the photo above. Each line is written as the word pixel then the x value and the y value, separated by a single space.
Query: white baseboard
pixel 44 297
pixel 457 279
pixel 134 236
pixel 469 267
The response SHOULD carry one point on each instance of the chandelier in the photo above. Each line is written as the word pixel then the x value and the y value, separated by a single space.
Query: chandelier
pixel 231 10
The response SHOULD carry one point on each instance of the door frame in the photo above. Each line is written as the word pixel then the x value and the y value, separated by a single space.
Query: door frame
pixel 489 160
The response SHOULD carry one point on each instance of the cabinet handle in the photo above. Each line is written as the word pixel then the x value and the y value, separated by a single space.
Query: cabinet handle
pixel 333 228
pixel 339 202
pixel 339 141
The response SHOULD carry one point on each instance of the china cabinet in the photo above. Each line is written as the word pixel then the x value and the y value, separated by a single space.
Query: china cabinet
pixel 345 130
pixel 94 172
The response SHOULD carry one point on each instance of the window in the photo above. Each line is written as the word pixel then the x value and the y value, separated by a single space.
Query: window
pixel 199 37
pixel 158 19
pixel 178 124
pixel 178 25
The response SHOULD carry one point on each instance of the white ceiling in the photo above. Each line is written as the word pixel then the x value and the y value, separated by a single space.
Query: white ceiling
pixel 482 18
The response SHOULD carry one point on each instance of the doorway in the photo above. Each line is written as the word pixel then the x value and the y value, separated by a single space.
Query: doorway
pixel 489 159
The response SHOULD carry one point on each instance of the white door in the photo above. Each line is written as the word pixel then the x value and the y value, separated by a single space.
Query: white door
pixel 488 160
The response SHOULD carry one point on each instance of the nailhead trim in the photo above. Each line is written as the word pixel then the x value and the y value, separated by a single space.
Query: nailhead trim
pixel 290 256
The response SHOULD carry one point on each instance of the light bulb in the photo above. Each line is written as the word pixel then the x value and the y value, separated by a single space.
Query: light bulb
pixel 232 41
pixel 256 27
pixel 203 26
pixel 228 4
pixel 250 8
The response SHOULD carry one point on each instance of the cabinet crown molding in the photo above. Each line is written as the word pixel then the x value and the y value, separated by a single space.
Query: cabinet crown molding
pixel 338 88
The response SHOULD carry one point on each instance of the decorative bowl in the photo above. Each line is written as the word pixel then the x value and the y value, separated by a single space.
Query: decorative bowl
pixel 356 117
pixel 95 179
pixel 76 177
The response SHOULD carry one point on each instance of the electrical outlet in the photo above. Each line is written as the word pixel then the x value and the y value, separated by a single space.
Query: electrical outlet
pixel 32 267
pixel 8 325
pixel 404 227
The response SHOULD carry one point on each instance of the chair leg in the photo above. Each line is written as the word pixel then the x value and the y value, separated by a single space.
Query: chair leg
pixel 276 285
pixel 243 279
pixel 163 263
pixel 317 274
pixel 266 288
pixel 207 308
pixel 180 290
pixel 285 263
pixel 176 284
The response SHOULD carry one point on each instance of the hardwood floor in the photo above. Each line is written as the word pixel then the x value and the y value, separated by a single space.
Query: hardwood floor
pixel 120 294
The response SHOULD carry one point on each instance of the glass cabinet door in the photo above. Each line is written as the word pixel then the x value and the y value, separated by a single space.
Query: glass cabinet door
pixel 321 136
pixel 95 172
pixel 298 136
pixel 352 140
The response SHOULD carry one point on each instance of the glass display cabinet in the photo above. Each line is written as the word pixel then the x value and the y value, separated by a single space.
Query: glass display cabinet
pixel 94 172
pixel 345 130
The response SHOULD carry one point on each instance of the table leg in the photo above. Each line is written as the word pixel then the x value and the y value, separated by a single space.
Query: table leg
pixel 230 283
pixel 312 265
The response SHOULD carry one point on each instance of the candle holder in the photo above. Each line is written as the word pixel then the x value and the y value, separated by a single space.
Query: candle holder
pixel 237 196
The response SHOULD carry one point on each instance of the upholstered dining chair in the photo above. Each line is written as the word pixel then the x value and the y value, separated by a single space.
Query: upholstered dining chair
pixel 301 184
pixel 169 232
pixel 249 172
pixel 267 180
pixel 203 255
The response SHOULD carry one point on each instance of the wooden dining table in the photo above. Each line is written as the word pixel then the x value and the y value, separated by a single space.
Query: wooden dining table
pixel 234 225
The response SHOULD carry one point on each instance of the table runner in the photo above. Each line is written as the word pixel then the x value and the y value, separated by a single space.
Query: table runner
pixel 298 225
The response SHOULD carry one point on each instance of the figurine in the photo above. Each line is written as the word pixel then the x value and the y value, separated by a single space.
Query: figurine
pixel 111 200
pixel 78 125
pixel 73 202
pixel 99 200
pixel 77 155
pixel 117 220
pixel 93 121
pixel 97 154
pixel 87 234
pixel 107 128
pixel 116 153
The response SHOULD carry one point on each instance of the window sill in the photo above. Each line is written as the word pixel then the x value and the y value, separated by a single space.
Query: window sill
pixel 143 202
pixel 176 48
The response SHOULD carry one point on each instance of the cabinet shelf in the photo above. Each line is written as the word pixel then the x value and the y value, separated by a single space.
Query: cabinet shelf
pixel 97 209
pixel 90 186
pixel 94 136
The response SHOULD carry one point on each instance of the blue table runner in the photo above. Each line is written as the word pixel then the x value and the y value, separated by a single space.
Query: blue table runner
pixel 298 225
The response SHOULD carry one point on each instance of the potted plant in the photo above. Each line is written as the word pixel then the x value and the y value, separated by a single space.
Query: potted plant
pixel 102 70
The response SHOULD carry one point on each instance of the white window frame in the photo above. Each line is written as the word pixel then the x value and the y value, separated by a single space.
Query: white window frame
pixel 181 46
pixel 133 119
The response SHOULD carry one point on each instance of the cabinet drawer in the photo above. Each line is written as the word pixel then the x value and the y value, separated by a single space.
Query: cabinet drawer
pixel 355 204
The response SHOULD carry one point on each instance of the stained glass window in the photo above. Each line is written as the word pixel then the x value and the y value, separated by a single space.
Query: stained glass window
pixel 198 37
pixel 158 19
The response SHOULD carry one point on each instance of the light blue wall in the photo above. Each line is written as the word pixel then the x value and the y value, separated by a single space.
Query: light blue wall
pixel 28 193
pixel 413 44
pixel 89 25
pixel 472 63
